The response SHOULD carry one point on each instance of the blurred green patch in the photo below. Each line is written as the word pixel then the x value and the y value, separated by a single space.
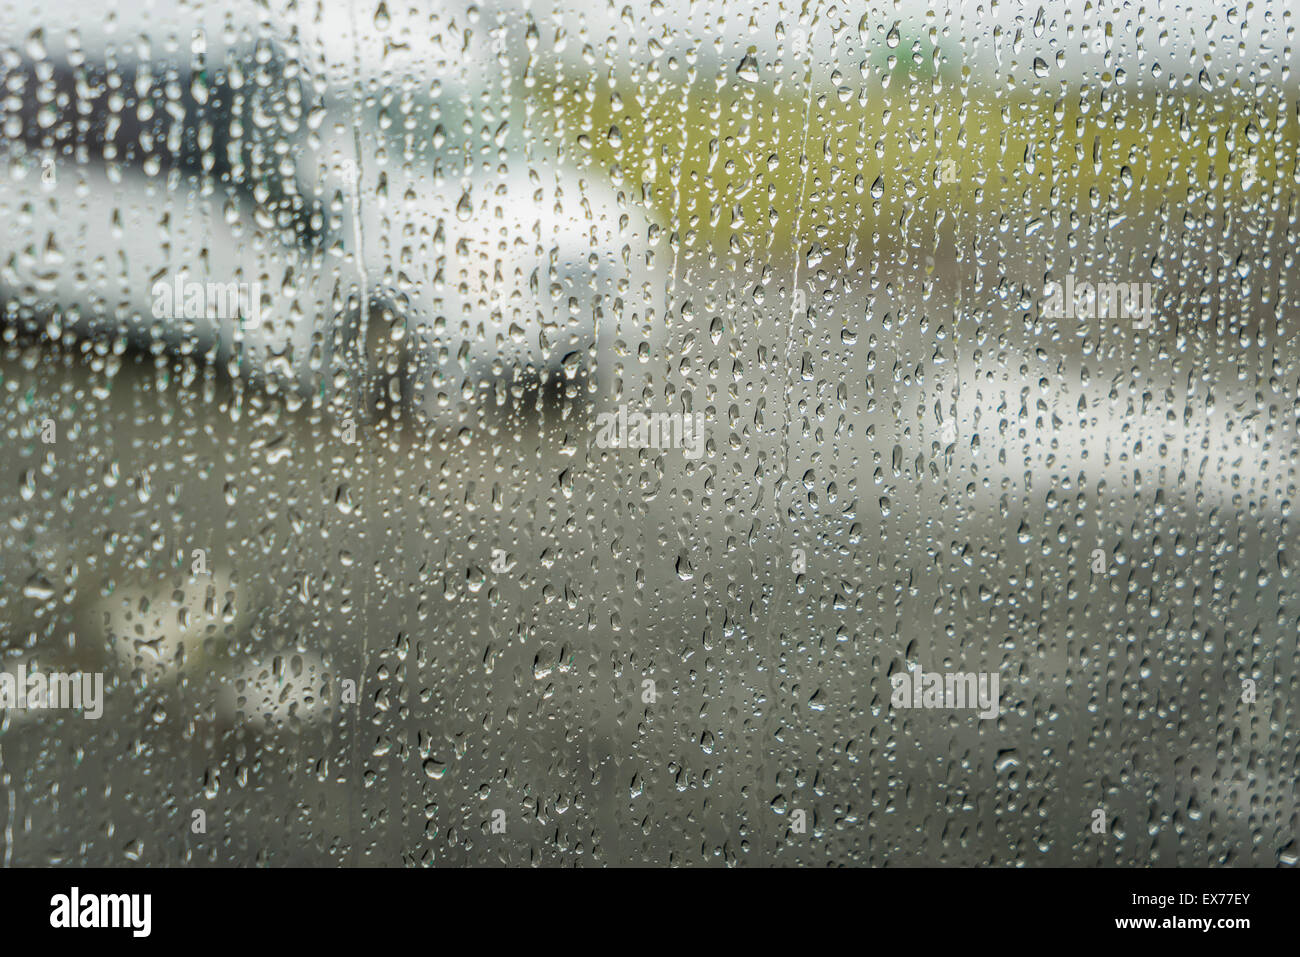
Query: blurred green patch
pixel 900 156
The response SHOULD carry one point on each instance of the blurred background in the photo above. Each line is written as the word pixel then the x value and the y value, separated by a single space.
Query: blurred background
pixel 476 227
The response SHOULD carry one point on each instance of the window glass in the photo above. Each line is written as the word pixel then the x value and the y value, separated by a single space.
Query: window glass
pixel 540 432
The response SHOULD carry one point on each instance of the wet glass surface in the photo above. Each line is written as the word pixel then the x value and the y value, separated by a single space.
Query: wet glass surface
pixel 551 433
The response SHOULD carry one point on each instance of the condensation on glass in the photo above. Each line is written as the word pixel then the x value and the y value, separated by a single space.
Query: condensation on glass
pixel 728 433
